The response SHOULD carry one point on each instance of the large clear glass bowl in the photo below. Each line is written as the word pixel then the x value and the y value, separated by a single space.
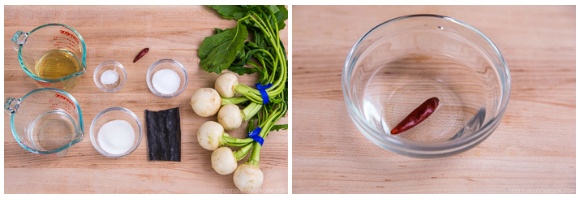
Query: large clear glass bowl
pixel 402 62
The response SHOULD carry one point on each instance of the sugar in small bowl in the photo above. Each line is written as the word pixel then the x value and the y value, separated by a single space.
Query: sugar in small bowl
pixel 167 78
pixel 116 132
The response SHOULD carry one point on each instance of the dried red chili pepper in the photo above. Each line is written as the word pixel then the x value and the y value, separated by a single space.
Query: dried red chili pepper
pixel 141 54
pixel 417 116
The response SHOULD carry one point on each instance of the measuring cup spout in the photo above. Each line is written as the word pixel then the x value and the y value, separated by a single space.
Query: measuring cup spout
pixel 19 39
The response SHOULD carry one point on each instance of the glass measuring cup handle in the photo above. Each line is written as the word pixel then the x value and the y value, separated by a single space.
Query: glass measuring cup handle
pixel 11 104
pixel 19 39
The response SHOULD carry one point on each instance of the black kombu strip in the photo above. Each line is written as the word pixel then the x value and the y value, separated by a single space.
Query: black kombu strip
pixel 163 135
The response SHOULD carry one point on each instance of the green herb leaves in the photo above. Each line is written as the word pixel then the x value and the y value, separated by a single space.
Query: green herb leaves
pixel 231 12
pixel 231 49
pixel 237 12
pixel 217 52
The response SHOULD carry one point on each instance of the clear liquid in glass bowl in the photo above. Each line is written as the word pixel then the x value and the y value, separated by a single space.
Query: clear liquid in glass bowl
pixel 401 84
pixel 401 63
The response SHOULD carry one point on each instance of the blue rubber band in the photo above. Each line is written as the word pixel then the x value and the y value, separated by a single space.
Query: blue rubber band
pixel 263 93
pixel 255 135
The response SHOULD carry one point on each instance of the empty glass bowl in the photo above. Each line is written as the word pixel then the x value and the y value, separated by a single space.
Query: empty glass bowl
pixel 167 78
pixel 116 132
pixel 110 76
pixel 402 62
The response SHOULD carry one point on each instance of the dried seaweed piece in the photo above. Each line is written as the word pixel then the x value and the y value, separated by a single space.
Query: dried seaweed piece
pixel 164 134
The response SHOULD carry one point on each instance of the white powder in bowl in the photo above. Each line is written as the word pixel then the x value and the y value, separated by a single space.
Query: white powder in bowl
pixel 116 137
pixel 166 81
pixel 109 77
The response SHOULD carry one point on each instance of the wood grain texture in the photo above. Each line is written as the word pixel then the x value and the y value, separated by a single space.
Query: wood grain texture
pixel 119 33
pixel 532 151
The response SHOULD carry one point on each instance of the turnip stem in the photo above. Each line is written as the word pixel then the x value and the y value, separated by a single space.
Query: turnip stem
pixel 235 142
pixel 255 157
pixel 234 100
pixel 251 110
pixel 243 152
pixel 270 118
pixel 247 92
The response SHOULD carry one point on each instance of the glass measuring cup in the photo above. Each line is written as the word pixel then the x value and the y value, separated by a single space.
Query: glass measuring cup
pixel 54 55
pixel 45 121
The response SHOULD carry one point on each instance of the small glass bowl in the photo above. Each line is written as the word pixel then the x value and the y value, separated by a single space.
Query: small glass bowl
pixel 110 114
pixel 171 65
pixel 402 62
pixel 116 67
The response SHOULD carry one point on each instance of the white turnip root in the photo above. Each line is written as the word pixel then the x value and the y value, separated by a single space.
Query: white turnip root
pixel 230 117
pixel 248 178
pixel 205 102
pixel 225 84
pixel 223 161
pixel 209 135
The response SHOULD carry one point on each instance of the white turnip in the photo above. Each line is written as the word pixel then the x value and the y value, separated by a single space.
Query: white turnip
pixel 225 84
pixel 230 117
pixel 248 178
pixel 211 135
pixel 205 102
pixel 223 161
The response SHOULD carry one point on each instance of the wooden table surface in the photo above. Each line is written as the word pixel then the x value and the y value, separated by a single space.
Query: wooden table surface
pixel 532 151
pixel 119 33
